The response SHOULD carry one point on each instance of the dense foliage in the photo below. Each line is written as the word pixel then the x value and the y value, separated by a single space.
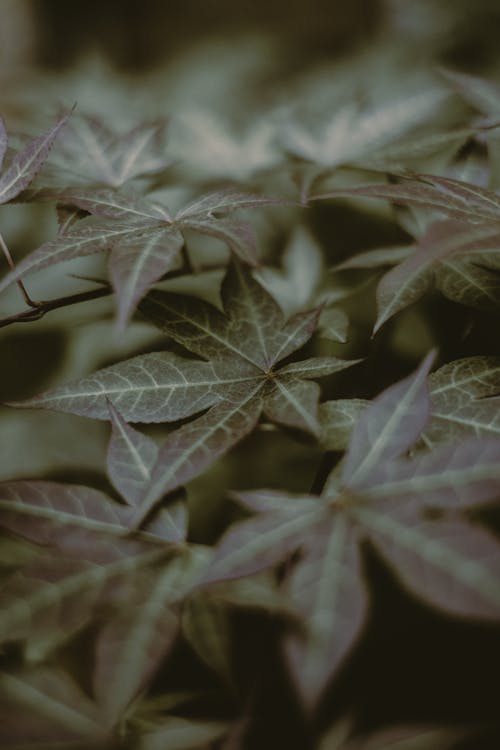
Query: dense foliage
pixel 297 426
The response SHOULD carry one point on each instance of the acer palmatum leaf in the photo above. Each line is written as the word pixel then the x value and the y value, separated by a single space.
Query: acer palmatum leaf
pixel 455 198
pixel 27 162
pixel 441 256
pixel 130 457
pixel 145 241
pixel 388 427
pixel 448 562
pixel 4 140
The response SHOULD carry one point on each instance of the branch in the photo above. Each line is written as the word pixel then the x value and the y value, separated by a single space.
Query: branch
pixel 42 308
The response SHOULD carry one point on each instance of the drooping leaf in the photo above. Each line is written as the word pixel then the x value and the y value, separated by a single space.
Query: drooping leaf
pixel 445 256
pixel 27 162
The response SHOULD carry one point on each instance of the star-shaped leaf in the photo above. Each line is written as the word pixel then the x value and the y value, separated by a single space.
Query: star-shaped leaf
pixel 90 155
pixel 454 198
pixel 382 496
pixel 244 344
pixel 145 241
pixel 27 162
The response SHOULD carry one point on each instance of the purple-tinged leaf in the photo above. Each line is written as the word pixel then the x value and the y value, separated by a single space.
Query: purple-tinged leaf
pixel 156 387
pixel 86 580
pixel 57 514
pixel 3 141
pixel 124 205
pixel 460 405
pixel 440 245
pixel 327 590
pixel 223 202
pixel 452 476
pixel 451 564
pixel 457 199
pixel 252 546
pixel 188 451
pixel 25 164
pixel 130 458
pixel 135 266
pixel 132 644
pixel 388 427
pixel 253 330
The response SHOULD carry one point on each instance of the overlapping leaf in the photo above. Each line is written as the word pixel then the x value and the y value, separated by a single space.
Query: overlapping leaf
pixel 27 162
pixel 460 260
pixel 454 198
pixel 382 496
pixel 245 344
pixel 90 155
pixel 145 241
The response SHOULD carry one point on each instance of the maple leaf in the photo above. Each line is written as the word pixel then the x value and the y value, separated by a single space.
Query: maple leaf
pixel 26 163
pixel 454 198
pixel 459 259
pixel 90 155
pixel 145 241
pixel 382 496
pixel 44 707
pixel 244 344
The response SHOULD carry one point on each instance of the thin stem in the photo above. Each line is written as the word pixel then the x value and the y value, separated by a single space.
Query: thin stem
pixel 42 308
pixel 19 283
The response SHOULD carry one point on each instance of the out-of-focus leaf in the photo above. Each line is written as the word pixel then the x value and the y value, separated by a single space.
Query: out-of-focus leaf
pixel 47 709
pixel 184 734
pixel 91 155
pixel 294 285
pixel 26 163
pixel 132 644
pixel 384 256
pixel 205 625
